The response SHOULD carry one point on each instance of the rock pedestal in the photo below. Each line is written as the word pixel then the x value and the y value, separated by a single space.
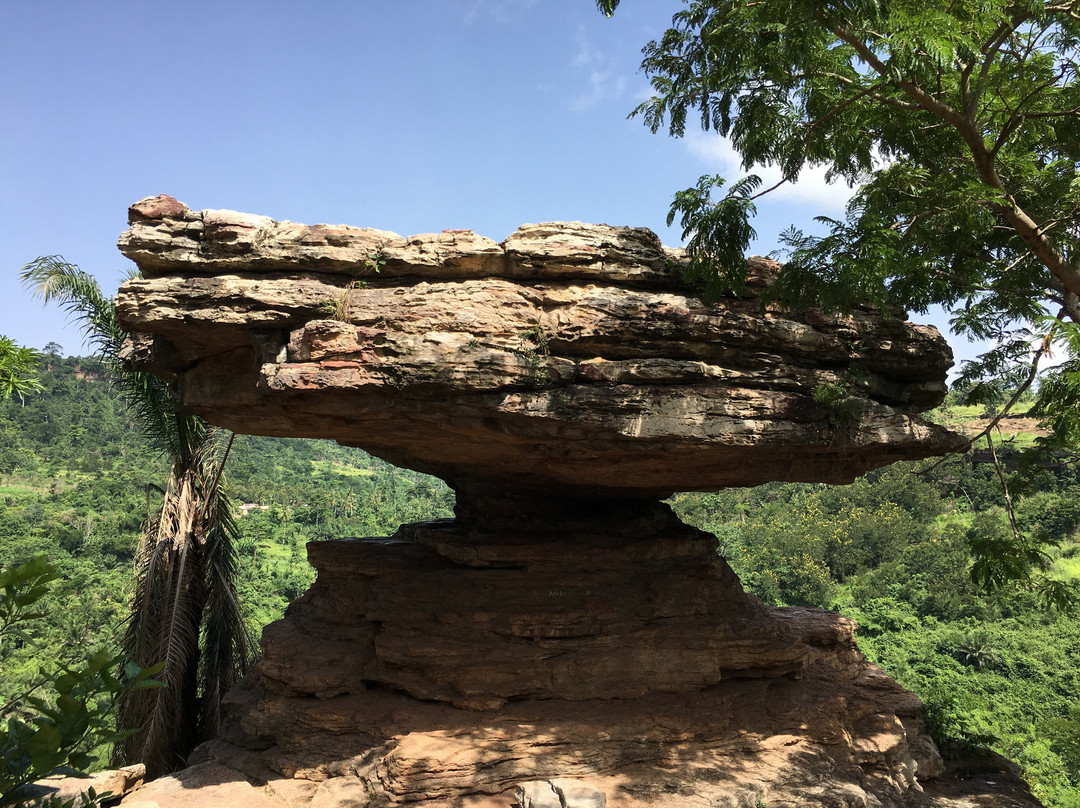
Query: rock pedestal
pixel 565 641
pixel 447 666
pixel 477 620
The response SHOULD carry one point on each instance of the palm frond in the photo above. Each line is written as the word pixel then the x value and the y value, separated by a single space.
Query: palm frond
pixel 156 412
pixel 165 622
pixel 77 292
pixel 227 643
pixel 186 592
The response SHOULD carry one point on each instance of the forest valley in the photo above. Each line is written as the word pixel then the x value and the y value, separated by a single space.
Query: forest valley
pixel 893 551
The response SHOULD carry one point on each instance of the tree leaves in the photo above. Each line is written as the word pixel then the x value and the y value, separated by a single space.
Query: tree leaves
pixel 18 376
pixel 718 233
pixel 959 120
pixel 71 709
pixel 21 587
pixel 607 6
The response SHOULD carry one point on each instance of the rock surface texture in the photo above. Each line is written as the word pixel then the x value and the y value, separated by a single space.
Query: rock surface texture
pixel 567 359
pixel 565 641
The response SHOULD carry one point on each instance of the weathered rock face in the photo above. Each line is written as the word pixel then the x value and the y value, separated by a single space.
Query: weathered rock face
pixel 450 669
pixel 626 656
pixel 566 360
pixel 643 606
pixel 566 641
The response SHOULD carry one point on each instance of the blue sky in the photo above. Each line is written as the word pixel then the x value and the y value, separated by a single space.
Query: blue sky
pixel 412 116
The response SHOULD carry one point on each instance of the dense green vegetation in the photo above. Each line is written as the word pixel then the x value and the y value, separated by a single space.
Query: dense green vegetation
pixel 957 125
pixel 892 550
pixel 76 481
pixel 65 714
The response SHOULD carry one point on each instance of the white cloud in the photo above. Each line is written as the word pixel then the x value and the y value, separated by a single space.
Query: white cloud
pixel 602 84
pixel 720 158
pixel 587 55
pixel 500 10
pixel 601 81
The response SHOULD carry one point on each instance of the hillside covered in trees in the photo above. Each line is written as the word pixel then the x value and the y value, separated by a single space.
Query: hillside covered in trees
pixel 893 551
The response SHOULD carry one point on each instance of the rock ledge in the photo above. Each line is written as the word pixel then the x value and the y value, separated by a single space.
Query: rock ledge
pixel 567 360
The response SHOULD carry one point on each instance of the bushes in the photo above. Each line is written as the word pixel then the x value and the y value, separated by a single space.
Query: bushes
pixel 61 718
pixel 894 551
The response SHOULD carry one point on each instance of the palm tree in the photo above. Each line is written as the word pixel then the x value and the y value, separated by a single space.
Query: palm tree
pixel 184 608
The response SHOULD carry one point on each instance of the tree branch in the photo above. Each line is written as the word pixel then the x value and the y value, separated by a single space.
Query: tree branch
pixel 1004 486
pixel 872 92
pixel 1033 372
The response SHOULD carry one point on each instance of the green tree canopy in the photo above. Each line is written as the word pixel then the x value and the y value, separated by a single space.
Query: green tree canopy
pixel 958 121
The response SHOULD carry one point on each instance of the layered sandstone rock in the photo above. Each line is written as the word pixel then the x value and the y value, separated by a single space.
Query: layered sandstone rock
pixel 568 359
pixel 624 608
pixel 443 664
pixel 566 641
pixel 485 670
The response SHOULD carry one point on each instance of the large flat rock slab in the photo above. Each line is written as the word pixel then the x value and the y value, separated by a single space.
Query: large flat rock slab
pixel 569 358
pixel 206 785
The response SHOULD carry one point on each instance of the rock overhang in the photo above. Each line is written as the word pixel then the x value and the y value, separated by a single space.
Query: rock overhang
pixel 560 381
pixel 569 360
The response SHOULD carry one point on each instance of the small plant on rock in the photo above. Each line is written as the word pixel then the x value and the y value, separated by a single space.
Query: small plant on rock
pixel 376 260
pixel 340 307
pixel 533 344
pixel 843 408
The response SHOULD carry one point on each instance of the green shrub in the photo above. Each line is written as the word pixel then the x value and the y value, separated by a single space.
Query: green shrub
pixel 58 721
